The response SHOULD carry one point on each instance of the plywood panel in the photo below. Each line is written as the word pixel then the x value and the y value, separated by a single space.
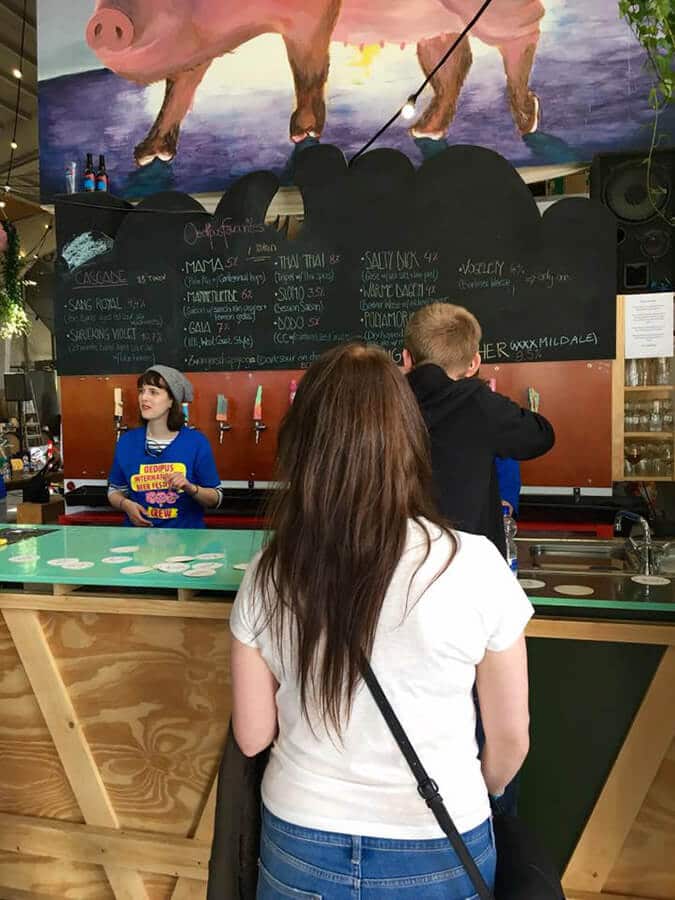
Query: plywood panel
pixel 576 396
pixel 32 781
pixel 46 877
pixel 153 700
pixel 646 865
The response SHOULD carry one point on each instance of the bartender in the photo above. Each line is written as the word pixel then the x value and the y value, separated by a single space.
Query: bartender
pixel 163 474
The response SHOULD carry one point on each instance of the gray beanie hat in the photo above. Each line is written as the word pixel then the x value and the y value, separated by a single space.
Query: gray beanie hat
pixel 178 384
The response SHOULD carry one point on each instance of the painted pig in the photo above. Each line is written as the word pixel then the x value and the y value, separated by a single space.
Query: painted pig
pixel 152 40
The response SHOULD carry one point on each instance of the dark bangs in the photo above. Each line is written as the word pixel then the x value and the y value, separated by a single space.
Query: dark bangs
pixel 175 420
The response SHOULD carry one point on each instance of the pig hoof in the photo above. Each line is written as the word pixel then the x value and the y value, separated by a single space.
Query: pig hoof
pixel 416 132
pixel 151 149
pixel 299 138
pixel 527 116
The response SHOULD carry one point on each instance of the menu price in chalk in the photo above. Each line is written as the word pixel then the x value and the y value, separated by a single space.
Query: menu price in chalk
pixel 108 322
pixel 393 284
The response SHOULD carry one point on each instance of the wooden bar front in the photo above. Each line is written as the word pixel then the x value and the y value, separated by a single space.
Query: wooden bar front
pixel 113 716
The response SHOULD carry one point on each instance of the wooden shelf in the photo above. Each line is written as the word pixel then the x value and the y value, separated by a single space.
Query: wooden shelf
pixel 655 435
pixel 647 478
pixel 649 387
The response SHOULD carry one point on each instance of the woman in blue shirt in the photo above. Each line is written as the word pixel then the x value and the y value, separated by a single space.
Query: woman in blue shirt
pixel 163 474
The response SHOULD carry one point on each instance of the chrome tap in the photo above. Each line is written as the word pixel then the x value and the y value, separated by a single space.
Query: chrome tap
pixel 644 549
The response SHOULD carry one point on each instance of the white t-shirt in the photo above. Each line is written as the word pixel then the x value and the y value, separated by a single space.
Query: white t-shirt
pixel 425 662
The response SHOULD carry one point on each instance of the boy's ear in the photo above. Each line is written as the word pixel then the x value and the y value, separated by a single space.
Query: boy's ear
pixel 474 365
pixel 408 362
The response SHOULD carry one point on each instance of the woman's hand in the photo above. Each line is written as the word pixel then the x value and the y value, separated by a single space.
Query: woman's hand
pixel 178 482
pixel 136 514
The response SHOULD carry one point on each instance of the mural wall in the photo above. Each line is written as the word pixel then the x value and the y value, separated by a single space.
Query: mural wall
pixel 191 94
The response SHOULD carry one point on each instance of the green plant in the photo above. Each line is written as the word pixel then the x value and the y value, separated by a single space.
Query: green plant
pixel 653 24
pixel 13 318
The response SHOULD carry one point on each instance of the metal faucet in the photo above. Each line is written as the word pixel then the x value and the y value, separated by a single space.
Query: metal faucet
pixel 644 550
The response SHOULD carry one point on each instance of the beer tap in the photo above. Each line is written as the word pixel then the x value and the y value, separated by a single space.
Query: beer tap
pixel 258 424
pixel 118 413
pixel 221 417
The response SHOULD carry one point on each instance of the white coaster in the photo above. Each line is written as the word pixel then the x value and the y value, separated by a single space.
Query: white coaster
pixel 207 565
pixel 529 584
pixel 241 566
pixel 574 590
pixel 118 550
pixel 199 573
pixel 172 567
pixel 26 558
pixel 116 560
pixel 650 579
pixel 77 564
pixel 135 570
pixel 210 556
pixel 60 562
pixel 173 559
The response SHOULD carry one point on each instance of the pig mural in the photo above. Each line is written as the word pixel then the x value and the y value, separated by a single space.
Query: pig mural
pixel 147 41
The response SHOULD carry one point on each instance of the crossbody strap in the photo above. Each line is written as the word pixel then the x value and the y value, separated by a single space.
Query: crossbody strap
pixel 426 786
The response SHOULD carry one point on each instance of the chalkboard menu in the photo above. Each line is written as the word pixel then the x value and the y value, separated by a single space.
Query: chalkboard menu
pixel 167 282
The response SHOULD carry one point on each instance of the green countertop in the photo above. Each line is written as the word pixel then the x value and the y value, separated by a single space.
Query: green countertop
pixel 613 595
pixel 93 544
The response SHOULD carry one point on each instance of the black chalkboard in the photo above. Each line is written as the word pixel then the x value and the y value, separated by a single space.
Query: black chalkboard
pixel 168 282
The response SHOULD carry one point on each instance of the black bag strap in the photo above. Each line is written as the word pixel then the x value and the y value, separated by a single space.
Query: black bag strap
pixel 426 786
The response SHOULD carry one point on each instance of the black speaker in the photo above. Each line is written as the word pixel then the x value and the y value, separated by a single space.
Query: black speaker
pixel 16 387
pixel 645 234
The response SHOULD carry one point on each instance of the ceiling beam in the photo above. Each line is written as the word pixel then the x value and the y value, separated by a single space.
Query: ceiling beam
pixel 17 13
pixel 26 88
pixel 15 48
pixel 26 116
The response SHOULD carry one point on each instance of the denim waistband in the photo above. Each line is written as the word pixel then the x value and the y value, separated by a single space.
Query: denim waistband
pixel 334 838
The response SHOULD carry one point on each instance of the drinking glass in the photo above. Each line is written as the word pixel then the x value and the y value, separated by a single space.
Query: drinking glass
pixel 663 370
pixel 631 370
pixel 642 417
pixel 643 368
pixel 655 416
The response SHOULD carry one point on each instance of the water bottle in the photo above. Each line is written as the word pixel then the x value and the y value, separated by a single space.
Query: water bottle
pixel 510 530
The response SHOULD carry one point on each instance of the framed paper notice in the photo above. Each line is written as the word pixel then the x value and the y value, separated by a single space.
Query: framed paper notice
pixel 649 325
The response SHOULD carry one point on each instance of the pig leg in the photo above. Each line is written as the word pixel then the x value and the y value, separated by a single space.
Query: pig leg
pixel 518 56
pixel 308 55
pixel 447 83
pixel 162 139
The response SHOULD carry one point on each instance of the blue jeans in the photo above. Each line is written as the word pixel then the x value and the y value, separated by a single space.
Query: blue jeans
pixel 306 864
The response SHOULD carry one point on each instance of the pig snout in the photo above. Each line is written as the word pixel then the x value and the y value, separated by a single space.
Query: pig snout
pixel 109 30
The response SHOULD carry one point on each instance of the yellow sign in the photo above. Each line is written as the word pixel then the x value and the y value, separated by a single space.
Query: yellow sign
pixel 154 476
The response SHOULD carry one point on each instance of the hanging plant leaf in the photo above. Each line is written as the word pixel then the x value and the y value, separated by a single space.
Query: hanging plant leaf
pixel 13 318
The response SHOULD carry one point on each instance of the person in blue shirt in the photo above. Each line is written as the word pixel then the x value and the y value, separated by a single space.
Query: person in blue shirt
pixel 163 474
pixel 508 479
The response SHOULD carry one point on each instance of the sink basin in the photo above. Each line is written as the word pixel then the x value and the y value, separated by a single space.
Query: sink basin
pixel 579 555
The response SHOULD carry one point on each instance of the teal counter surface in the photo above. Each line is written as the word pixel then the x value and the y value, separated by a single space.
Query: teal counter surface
pixel 94 544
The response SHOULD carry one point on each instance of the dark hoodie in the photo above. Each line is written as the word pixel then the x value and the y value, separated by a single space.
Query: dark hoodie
pixel 469 425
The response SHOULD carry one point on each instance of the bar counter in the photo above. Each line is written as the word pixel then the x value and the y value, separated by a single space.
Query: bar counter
pixel 114 705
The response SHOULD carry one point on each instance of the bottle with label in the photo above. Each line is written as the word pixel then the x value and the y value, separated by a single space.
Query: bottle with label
pixel 510 531
pixel 102 180
pixel 89 176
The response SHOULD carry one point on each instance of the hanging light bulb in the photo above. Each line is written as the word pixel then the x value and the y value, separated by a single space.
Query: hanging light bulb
pixel 408 108
pixel 47 226
pixel 8 188
pixel 2 204
pixel 13 145
pixel 17 73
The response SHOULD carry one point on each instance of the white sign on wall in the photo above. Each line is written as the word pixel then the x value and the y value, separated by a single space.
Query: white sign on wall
pixel 649 325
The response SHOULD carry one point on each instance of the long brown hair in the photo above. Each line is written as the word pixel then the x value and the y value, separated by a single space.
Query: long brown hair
pixel 175 420
pixel 354 467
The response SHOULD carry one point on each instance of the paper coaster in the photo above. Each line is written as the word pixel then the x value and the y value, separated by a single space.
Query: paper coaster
pixel 135 570
pixel 199 573
pixel 116 560
pixel 118 550
pixel 26 558
pixel 529 584
pixel 173 559
pixel 241 566
pixel 574 590
pixel 60 562
pixel 172 567
pixel 77 564
pixel 650 579
pixel 207 565
pixel 210 556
